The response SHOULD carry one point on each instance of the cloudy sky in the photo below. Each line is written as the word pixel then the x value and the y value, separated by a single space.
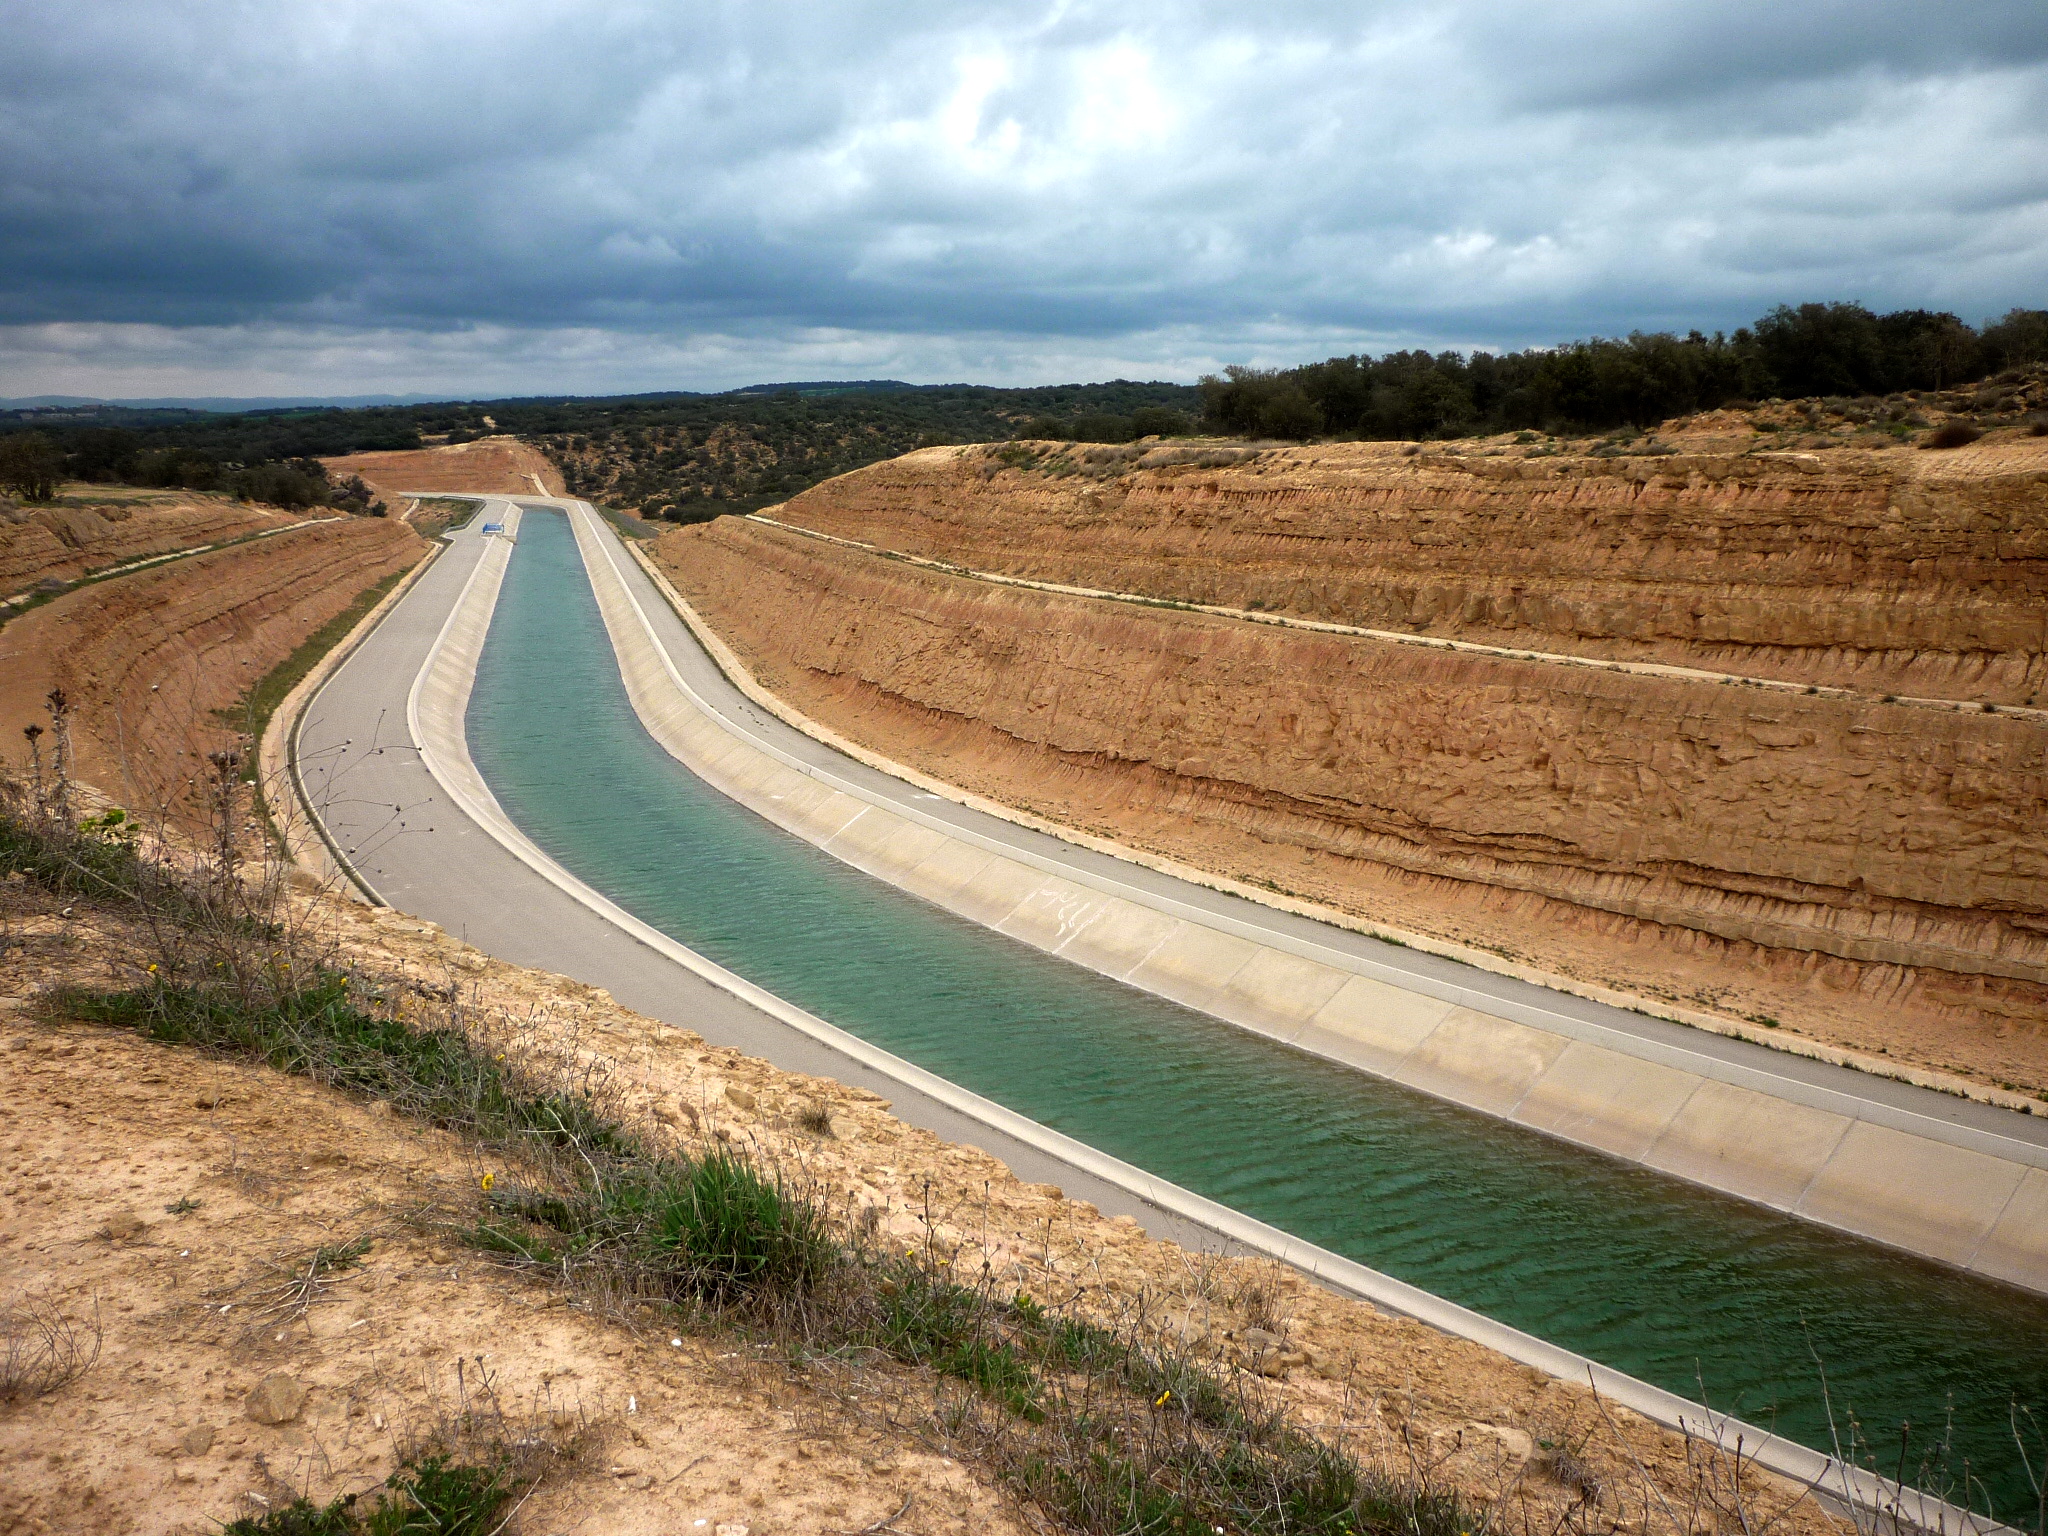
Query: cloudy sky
pixel 346 196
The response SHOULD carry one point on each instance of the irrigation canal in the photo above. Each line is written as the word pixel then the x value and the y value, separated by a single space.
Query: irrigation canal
pixel 1706 1296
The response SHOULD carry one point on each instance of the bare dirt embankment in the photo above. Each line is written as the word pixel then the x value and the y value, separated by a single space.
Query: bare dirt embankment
pixel 1874 875
pixel 149 658
pixel 166 1200
pixel 89 528
pixel 486 464
pixel 1892 571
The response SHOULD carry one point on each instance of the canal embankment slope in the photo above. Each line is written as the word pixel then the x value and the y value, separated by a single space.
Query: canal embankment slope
pixel 1749 737
pixel 159 663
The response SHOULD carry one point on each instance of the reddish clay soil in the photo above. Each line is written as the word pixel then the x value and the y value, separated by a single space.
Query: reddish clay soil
pixel 1872 875
pixel 92 527
pixel 487 464
pixel 149 658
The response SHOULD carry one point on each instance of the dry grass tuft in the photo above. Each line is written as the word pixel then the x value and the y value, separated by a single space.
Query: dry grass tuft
pixel 1955 434
pixel 42 1349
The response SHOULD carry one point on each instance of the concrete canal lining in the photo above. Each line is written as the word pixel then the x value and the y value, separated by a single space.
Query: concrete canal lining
pixel 1962 1183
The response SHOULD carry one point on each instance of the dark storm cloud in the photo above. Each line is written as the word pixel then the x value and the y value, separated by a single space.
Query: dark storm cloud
pixel 576 196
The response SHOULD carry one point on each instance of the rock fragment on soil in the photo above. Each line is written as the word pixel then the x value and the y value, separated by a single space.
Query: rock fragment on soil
pixel 277 1399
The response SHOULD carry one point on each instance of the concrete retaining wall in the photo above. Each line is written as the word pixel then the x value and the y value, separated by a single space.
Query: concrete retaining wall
pixel 1953 1192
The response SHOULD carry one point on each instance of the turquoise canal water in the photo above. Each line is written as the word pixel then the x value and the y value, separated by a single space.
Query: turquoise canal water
pixel 1700 1294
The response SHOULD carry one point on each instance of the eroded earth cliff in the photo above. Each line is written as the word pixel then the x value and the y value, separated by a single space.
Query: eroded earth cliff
pixel 92 529
pixel 157 663
pixel 1802 784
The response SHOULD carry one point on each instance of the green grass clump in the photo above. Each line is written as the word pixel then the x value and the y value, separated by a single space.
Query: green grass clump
pixel 301 1517
pixel 430 1497
pixel 439 1498
pixel 322 1030
pixel 929 1320
pixel 96 860
pixel 717 1228
pixel 721 1227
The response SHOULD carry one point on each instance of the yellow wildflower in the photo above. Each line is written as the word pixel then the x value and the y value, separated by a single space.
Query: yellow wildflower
pixel 488 1180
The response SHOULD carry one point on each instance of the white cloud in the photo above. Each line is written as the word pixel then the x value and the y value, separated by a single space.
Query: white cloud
pixel 544 192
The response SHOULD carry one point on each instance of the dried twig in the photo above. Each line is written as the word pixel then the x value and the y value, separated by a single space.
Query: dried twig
pixel 887 1522
pixel 299 1292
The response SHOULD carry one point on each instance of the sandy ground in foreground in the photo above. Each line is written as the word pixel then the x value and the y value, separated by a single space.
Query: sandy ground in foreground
pixel 116 1133
pixel 169 1196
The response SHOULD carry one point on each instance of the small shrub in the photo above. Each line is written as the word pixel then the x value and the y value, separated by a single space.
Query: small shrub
pixel 435 1498
pixel 723 1228
pixel 42 1350
pixel 1954 434
pixel 301 1517
pixel 97 859
pixel 1160 421
pixel 31 466
pixel 1103 427
pixel 815 1116
pixel 931 1321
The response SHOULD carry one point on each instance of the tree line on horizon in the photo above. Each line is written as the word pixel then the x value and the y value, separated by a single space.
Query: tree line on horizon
pixel 33 463
pixel 1842 350
pixel 680 456
pixel 687 457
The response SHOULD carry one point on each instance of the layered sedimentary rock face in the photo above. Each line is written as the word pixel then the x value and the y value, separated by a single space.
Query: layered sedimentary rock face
pixel 1874 872
pixel 157 662
pixel 1900 571
pixel 107 526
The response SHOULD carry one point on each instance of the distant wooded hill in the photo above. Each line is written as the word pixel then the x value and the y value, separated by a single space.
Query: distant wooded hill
pixel 688 456
pixel 677 455
pixel 1839 352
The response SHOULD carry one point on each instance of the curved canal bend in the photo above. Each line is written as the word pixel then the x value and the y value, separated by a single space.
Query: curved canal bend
pixel 1703 1295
